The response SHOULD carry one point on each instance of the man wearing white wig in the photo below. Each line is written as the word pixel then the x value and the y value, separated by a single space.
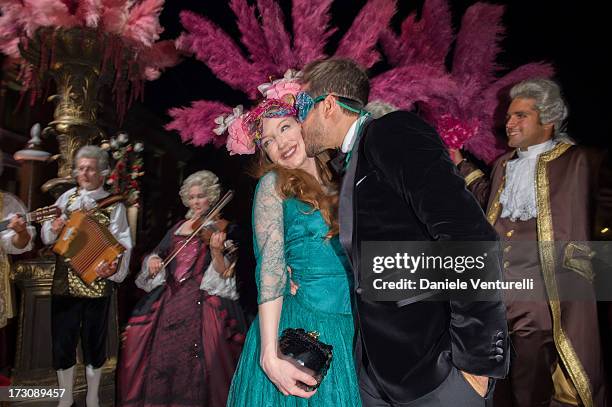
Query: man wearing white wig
pixel 79 309
pixel 543 199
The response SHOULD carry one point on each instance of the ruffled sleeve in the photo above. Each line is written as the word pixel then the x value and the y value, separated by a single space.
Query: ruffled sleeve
pixel 214 284
pixel 142 280
pixel 268 229
pixel 12 206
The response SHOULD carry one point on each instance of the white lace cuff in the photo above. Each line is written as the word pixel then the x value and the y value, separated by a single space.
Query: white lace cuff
pixel 144 282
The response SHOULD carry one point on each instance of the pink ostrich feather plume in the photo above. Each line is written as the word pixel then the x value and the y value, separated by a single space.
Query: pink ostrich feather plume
pixel 89 12
pixel 392 46
pixel 427 40
pixel 430 41
pixel 10 47
pixel 195 124
pixel 461 104
pixel 478 42
pixel 486 105
pixel 252 35
pixel 491 95
pixel 116 3
pixel 10 27
pixel 277 37
pixel 143 25
pixel 114 19
pixel 114 15
pixel 407 85
pixel 215 48
pixel 360 40
pixel 46 13
pixel 162 55
pixel 311 30
pixel 269 43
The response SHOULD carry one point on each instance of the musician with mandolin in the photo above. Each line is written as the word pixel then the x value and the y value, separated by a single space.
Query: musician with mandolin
pixel 93 245
pixel 190 323
pixel 16 237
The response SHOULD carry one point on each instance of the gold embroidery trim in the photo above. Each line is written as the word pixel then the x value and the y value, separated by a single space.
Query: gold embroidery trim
pixel 547 259
pixel 473 176
pixel 495 207
pixel 4 279
pixel 577 257
pixel 565 392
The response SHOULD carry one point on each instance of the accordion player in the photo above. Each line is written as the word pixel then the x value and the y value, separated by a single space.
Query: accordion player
pixel 80 309
pixel 93 245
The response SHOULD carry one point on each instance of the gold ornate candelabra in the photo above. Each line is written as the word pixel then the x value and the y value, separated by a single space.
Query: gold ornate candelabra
pixel 74 59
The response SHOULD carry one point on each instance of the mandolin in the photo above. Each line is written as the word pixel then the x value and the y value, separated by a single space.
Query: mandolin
pixel 39 215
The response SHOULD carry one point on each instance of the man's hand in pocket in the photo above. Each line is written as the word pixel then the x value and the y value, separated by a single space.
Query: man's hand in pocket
pixel 479 383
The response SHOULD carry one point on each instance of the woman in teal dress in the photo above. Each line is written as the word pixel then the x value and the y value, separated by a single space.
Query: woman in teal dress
pixel 295 228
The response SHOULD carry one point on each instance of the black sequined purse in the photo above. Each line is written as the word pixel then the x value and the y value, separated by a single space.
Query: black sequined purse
pixel 307 353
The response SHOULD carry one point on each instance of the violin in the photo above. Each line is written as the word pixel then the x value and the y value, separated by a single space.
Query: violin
pixel 230 247
pixel 206 226
pixel 219 225
pixel 213 226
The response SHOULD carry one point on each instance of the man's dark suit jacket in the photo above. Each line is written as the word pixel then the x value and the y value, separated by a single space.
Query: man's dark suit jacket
pixel 405 188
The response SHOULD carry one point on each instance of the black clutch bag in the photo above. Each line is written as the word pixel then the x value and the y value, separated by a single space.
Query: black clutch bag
pixel 307 353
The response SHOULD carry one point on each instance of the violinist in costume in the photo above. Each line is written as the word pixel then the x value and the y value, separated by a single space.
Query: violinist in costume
pixel 183 340
pixel 78 308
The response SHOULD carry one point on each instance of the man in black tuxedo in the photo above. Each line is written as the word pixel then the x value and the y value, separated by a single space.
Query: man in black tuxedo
pixel 400 185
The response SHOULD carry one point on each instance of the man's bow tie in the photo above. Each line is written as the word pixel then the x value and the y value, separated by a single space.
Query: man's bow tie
pixel 338 163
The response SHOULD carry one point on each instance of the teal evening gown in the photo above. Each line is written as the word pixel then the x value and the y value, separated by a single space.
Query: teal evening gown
pixel 291 233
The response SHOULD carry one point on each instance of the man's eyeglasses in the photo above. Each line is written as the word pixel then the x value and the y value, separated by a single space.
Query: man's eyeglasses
pixel 304 103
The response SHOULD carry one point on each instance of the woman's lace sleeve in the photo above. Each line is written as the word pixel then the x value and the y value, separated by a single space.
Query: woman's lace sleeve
pixel 268 229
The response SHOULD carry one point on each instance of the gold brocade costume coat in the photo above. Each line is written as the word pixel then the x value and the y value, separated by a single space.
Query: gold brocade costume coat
pixel 573 194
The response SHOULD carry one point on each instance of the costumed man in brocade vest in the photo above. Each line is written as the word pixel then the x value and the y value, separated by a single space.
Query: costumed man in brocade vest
pixel 16 237
pixel 79 309
pixel 400 185
pixel 542 199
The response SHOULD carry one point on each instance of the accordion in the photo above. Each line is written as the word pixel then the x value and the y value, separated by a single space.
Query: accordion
pixel 86 245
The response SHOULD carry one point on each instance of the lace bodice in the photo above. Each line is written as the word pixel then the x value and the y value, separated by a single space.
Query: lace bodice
pixel 291 233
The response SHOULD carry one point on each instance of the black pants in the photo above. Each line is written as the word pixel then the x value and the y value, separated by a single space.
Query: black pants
pixel 454 391
pixel 73 317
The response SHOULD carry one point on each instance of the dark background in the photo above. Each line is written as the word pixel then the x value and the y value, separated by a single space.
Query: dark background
pixel 573 35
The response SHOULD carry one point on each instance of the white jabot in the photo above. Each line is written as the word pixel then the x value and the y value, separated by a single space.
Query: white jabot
pixel 86 200
pixel 518 198
pixel 351 134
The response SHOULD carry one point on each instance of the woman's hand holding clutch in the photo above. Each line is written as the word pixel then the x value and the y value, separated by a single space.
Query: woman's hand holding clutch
pixel 285 376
